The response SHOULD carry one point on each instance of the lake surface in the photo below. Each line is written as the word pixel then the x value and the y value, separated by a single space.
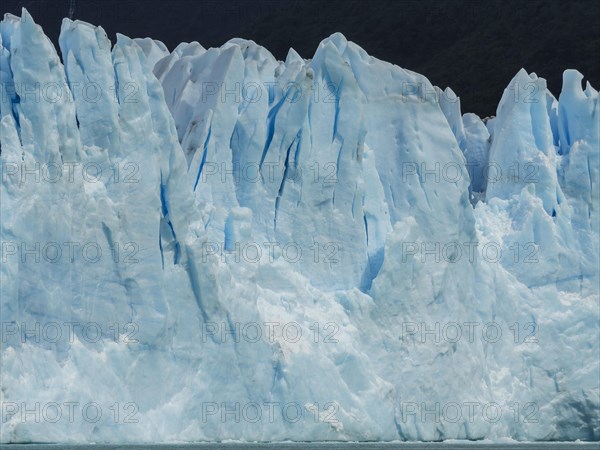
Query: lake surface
pixel 314 446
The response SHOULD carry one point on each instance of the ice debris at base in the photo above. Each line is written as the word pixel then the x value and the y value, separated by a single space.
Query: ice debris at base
pixel 426 276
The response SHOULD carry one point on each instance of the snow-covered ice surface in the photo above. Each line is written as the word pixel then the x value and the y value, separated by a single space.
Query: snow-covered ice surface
pixel 211 244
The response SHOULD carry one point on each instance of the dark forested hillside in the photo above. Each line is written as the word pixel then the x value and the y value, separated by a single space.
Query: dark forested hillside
pixel 473 46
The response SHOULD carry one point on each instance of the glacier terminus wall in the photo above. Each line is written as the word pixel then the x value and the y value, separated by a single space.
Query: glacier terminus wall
pixel 210 244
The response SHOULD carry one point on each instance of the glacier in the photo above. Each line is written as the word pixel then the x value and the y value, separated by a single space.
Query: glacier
pixel 211 244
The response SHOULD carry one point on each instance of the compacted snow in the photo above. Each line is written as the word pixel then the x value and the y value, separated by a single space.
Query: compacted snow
pixel 211 244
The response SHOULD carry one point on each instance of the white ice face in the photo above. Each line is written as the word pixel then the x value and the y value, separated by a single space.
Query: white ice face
pixel 211 244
